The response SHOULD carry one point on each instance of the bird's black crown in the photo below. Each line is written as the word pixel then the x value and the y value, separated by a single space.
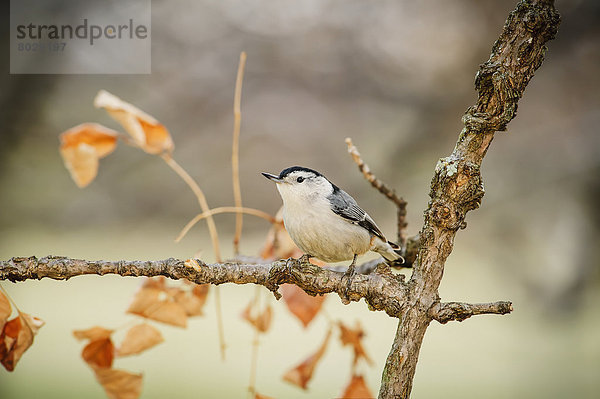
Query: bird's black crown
pixel 292 169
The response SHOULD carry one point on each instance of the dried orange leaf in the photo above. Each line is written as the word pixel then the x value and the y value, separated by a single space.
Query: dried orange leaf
pixel 120 384
pixel 302 305
pixel 33 322
pixel 5 310
pixel 138 339
pixel 259 396
pixel 357 389
pixel 301 374
pixel 82 163
pixel 192 301
pixel 200 290
pixel 103 139
pixel 261 322
pixel 93 333
pixel 16 338
pixel 99 353
pixel 155 304
pixel 147 132
pixel 82 146
pixel 354 337
pixel 155 282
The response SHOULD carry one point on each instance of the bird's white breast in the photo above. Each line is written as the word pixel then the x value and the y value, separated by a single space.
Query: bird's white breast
pixel 318 231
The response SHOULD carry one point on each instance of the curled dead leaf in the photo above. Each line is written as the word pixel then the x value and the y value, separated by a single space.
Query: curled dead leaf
pixel 81 148
pixel 120 384
pixel 192 301
pixel 99 353
pixel 357 389
pixel 16 337
pixel 302 305
pixel 259 396
pixel 93 333
pixel 159 282
pixel 138 339
pixel 156 304
pixel 301 374
pixel 353 337
pixel 262 321
pixel 147 133
pixel 5 310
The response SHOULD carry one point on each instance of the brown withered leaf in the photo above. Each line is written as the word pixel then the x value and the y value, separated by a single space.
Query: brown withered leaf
pixel 353 337
pixel 147 132
pixel 93 333
pixel 99 353
pixel 262 321
pixel 357 389
pixel 301 374
pixel 192 301
pixel 201 290
pixel 138 339
pixel 5 310
pixel 159 282
pixel 33 322
pixel 302 305
pixel 103 139
pixel 156 304
pixel 81 148
pixel 259 396
pixel 120 384
pixel 16 337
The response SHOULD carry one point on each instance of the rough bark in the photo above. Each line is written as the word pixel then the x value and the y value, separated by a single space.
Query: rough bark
pixel 457 185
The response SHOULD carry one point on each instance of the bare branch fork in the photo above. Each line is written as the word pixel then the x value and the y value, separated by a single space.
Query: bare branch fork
pixel 456 188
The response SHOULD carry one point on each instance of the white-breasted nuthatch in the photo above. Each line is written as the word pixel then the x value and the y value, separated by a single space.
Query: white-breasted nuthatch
pixel 325 222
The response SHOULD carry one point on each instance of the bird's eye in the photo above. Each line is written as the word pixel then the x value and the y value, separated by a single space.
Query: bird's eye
pixel 300 179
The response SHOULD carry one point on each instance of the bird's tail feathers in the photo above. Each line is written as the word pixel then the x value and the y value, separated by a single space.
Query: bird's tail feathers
pixel 391 252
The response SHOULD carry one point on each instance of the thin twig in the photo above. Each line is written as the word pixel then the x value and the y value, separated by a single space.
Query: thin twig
pixel 224 209
pixel 220 327
pixel 212 229
pixel 383 189
pixel 235 153
pixel 255 345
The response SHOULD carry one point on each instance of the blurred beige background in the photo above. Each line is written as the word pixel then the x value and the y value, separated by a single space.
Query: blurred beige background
pixel 396 76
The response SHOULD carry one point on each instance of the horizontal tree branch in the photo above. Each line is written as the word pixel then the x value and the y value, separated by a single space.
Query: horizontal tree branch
pixel 459 311
pixel 382 291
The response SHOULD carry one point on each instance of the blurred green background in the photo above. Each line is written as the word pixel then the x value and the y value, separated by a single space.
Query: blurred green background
pixel 396 76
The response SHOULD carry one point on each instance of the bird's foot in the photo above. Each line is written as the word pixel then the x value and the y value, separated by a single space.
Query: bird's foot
pixel 305 258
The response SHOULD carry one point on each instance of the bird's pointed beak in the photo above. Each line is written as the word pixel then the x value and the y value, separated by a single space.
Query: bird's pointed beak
pixel 273 178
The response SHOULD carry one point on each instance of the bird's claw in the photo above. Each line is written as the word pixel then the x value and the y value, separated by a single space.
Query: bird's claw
pixel 304 258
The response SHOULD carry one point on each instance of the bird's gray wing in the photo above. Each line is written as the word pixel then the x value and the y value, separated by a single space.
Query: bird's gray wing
pixel 345 206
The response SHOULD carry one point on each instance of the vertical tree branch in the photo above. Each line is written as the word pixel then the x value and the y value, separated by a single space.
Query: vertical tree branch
pixel 457 186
